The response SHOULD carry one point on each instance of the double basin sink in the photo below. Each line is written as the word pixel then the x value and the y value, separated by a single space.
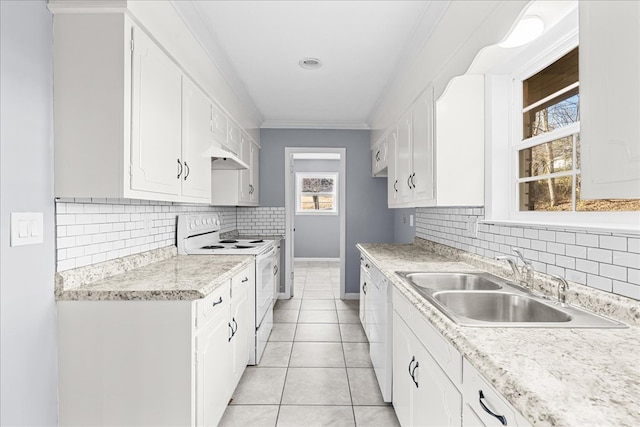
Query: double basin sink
pixel 483 300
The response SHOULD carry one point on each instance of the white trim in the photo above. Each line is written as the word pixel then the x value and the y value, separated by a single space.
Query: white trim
pixel 336 183
pixel 350 295
pixel 296 259
pixel 292 124
pixel 290 211
pixel 543 138
pixel 567 225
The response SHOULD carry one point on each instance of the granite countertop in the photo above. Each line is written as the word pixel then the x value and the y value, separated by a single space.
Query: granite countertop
pixel 155 275
pixel 560 377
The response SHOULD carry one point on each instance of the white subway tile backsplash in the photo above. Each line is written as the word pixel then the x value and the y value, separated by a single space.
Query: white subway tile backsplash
pixel 601 255
pixel 599 282
pixel 613 242
pixel 96 230
pixel 585 239
pixel 602 260
pixel 613 272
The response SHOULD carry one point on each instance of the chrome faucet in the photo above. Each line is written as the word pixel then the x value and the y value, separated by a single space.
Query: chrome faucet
pixel 516 272
pixel 563 286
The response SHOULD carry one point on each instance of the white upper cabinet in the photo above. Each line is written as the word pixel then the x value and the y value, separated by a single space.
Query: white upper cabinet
pixel 411 176
pixel 196 176
pixel 459 164
pixel 131 120
pixel 438 155
pixel 238 187
pixel 379 157
pixel 610 99
pixel 393 193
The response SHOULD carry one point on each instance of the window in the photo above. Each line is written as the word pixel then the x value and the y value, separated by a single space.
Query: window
pixel 317 193
pixel 548 153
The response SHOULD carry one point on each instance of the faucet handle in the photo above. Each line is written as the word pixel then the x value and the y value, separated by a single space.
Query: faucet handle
pixel 563 286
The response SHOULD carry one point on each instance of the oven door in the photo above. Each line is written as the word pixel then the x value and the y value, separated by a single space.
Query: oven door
pixel 265 264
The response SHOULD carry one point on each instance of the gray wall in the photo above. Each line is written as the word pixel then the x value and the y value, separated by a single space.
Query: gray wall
pixel 403 231
pixel 368 218
pixel 317 236
pixel 28 357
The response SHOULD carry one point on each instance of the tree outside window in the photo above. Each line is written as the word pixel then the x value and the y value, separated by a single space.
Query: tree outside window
pixel 316 193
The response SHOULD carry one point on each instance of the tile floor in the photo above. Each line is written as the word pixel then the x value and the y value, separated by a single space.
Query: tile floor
pixel 315 370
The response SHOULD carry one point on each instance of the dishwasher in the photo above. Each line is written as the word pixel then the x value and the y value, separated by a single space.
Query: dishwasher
pixel 380 328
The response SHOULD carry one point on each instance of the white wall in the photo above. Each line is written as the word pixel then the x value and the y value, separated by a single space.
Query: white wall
pixel 28 357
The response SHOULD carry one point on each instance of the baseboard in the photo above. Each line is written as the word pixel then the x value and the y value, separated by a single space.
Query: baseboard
pixel 352 296
pixel 316 259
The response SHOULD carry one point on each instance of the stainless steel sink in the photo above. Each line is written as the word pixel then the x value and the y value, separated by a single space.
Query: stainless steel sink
pixel 500 307
pixel 481 299
pixel 453 281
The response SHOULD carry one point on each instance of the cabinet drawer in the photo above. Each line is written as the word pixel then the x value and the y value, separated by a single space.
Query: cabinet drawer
pixel 212 304
pixel 473 383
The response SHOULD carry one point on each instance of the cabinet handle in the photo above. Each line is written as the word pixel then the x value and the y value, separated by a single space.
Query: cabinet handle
pixel 246 279
pixel 217 302
pixel 179 169
pixel 409 181
pixel 412 372
pixel 186 166
pixel 364 288
pixel 232 332
pixel 378 155
pixel 395 185
pixel 500 418
pixel 275 270
pixel 412 181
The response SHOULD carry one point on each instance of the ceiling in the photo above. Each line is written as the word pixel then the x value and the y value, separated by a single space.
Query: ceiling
pixel 362 45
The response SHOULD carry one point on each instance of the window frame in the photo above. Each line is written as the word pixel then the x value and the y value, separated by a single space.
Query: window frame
pixel 504 132
pixel 298 192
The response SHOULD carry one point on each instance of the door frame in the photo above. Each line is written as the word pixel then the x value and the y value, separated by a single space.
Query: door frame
pixel 289 207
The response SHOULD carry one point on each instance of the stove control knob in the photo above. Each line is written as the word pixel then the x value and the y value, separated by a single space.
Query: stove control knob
pixel 208 220
pixel 217 221
pixel 197 221
pixel 192 225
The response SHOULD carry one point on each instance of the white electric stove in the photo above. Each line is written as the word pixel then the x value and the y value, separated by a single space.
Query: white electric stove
pixel 199 234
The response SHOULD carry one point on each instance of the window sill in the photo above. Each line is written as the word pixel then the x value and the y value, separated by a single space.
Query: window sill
pixel 589 227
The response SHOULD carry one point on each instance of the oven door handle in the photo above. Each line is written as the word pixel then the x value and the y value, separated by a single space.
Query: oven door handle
pixel 271 252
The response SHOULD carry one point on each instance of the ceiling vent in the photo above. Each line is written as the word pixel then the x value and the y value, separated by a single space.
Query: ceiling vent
pixel 310 63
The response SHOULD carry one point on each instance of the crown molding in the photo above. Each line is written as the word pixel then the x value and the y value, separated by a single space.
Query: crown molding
pixel 93 6
pixel 289 124
pixel 421 33
pixel 190 14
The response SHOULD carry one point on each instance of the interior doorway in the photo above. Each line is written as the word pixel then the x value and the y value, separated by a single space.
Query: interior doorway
pixel 293 154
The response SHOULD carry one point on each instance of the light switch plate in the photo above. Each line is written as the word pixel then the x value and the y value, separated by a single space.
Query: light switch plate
pixel 26 228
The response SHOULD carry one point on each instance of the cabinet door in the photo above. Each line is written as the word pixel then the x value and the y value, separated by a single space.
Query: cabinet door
pixel 196 179
pixel 240 286
pixel 436 401
pixel 364 284
pixel 404 161
pixel 218 125
pixel 254 172
pixel 392 170
pixel 403 362
pixel 213 368
pixel 423 149
pixel 156 163
pixel 233 137
pixel 245 174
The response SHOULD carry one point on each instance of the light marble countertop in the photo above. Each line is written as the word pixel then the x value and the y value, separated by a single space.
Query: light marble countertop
pixel 559 377
pixel 154 275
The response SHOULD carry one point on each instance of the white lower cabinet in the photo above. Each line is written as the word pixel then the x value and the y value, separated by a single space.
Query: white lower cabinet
pixel 423 395
pixel 160 363
pixel 433 385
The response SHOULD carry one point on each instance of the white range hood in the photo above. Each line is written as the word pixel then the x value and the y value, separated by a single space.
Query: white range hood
pixel 223 159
